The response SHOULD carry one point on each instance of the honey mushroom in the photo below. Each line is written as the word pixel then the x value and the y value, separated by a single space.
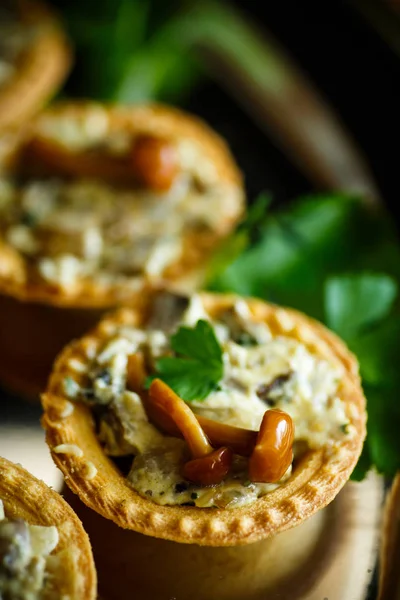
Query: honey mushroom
pixel 273 452
pixel 154 162
pixel 208 466
pixel 270 451
pixel 162 395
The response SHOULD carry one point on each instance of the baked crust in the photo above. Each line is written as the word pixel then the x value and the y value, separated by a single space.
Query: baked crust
pixel 43 156
pixel 27 498
pixel 315 481
pixel 42 70
pixel 31 336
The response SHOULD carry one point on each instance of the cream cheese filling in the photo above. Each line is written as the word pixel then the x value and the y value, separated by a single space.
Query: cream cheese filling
pixel 24 554
pixel 71 231
pixel 261 371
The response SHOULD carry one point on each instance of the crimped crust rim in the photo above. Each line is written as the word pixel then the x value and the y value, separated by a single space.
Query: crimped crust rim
pixel 44 68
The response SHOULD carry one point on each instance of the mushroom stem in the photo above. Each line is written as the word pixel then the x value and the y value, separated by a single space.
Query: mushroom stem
pixel 136 372
pixel 160 394
pixel 241 441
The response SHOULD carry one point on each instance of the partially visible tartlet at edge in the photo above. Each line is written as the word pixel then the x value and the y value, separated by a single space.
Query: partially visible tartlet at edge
pixel 70 571
pixel 316 479
pixel 39 70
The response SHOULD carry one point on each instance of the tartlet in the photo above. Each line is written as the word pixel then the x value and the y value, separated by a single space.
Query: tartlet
pixel 44 545
pixel 34 59
pixel 112 200
pixel 319 387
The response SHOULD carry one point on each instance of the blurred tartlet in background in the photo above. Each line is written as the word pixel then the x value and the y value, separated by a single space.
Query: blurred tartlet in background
pixel 101 203
pixel 35 57
pixel 44 549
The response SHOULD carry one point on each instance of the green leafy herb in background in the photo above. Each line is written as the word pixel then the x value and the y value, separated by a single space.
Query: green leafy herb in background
pixel 129 50
pixel 359 308
pixel 337 261
pixel 246 233
pixel 355 303
pixel 148 50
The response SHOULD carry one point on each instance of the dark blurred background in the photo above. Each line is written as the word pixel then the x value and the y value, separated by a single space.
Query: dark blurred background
pixel 350 57
pixel 354 67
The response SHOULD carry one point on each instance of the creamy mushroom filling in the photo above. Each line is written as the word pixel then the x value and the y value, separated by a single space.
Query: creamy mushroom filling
pixel 69 231
pixel 15 37
pixel 24 556
pixel 260 371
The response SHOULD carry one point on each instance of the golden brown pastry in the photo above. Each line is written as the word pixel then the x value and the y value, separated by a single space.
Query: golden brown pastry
pixel 34 59
pixel 221 468
pixel 45 553
pixel 112 200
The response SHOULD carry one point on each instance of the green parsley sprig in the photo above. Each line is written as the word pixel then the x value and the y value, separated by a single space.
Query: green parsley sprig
pixel 197 368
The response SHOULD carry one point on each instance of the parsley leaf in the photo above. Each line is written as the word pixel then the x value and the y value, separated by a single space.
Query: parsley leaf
pixel 300 246
pixel 383 441
pixel 197 368
pixel 357 308
pixel 354 302
pixel 141 46
pixel 377 351
pixel 247 231
pixel 288 263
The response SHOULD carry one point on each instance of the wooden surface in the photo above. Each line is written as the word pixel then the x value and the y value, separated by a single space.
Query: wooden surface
pixel 25 445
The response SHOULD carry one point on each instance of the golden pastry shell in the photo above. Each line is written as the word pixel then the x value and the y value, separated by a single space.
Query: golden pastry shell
pixel 27 498
pixel 42 70
pixel 315 481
